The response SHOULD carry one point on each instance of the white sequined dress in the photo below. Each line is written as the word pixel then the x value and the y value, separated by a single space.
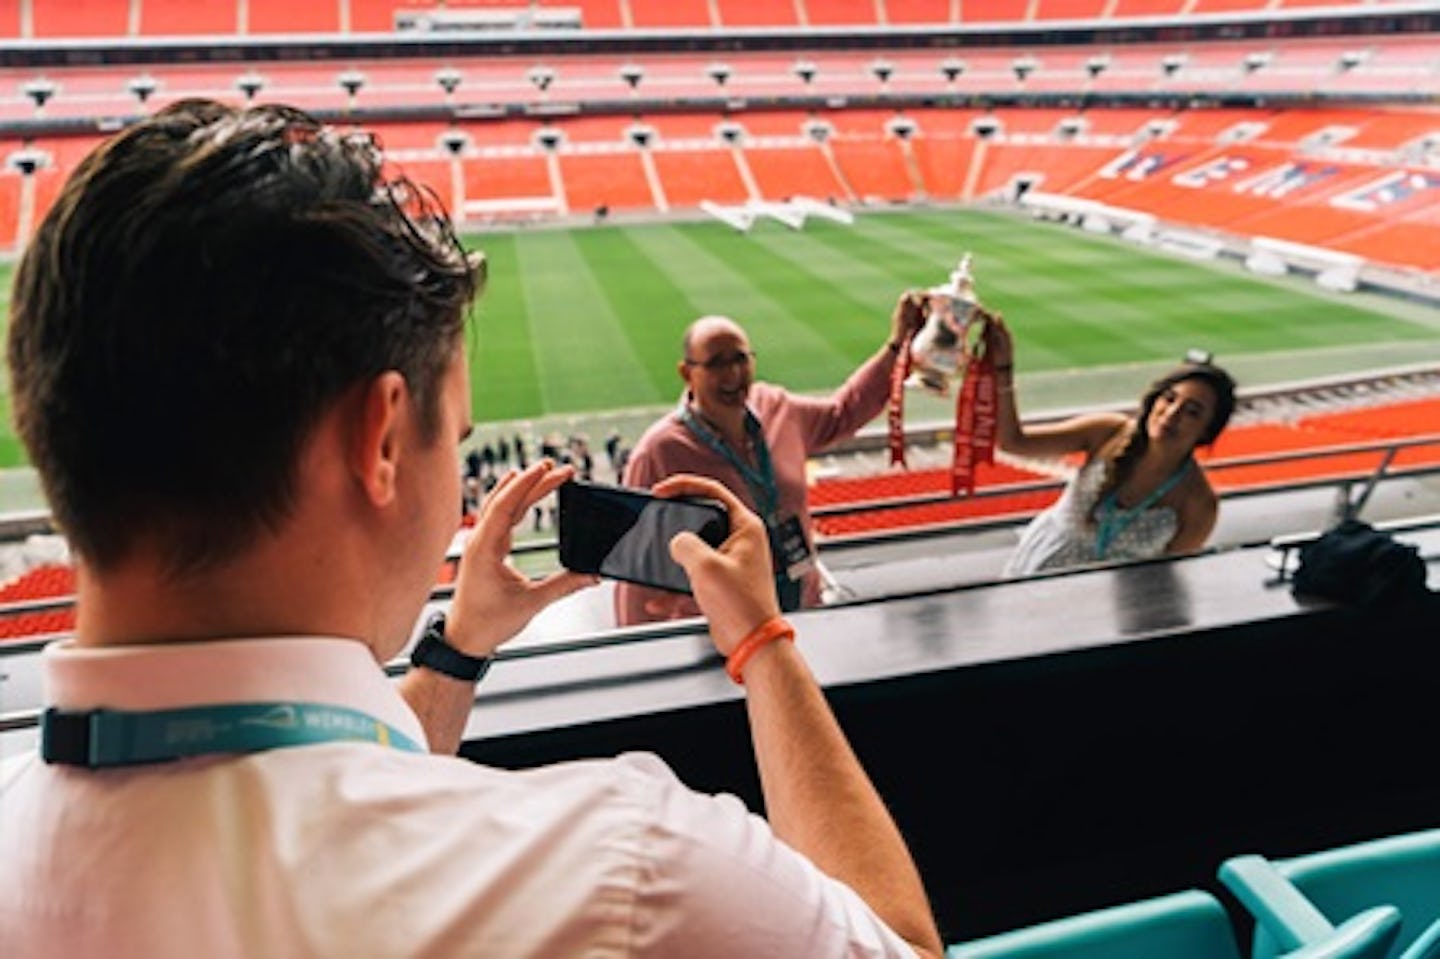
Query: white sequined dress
pixel 1064 534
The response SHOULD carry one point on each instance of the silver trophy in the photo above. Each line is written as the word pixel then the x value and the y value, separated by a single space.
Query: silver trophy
pixel 938 351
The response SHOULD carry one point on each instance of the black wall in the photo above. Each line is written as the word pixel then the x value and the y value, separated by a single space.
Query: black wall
pixel 1045 786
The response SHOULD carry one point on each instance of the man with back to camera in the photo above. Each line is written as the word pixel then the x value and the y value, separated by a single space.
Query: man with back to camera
pixel 755 438
pixel 224 768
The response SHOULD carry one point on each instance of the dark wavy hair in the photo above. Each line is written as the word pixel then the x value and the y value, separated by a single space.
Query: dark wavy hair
pixel 208 283
pixel 1219 381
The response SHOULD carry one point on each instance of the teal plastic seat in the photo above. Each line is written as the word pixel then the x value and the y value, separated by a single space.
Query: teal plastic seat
pixel 1401 871
pixel 1185 925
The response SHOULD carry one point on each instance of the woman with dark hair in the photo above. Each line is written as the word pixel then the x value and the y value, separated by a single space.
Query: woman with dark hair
pixel 1139 493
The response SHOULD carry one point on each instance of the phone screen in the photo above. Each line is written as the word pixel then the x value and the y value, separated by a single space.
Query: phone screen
pixel 625 534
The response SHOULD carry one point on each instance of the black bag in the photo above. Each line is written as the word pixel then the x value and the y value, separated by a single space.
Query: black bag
pixel 1356 564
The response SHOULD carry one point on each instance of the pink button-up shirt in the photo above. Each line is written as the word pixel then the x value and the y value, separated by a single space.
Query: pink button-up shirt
pixel 795 428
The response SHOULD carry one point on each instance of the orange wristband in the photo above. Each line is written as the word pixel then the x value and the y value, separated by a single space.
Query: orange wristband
pixel 766 632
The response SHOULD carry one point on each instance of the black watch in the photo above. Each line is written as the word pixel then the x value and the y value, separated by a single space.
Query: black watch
pixel 434 652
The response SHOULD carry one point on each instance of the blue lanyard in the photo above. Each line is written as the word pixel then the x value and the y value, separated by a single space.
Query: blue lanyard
pixel 1111 521
pixel 102 738
pixel 760 478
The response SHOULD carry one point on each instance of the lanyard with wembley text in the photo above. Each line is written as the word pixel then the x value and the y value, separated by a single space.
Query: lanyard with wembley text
pixel 101 738
pixel 761 478
pixel 1111 521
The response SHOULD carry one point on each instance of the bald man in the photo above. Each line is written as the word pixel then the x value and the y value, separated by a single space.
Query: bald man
pixel 755 438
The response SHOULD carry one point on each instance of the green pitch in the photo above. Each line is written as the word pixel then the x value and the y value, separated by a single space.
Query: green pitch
pixel 589 321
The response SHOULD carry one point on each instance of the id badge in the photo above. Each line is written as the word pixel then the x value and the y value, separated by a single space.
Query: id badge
pixel 789 549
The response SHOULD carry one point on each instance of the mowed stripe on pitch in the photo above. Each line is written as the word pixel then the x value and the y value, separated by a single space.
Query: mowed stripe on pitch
pixel 722 272
pixel 641 290
pixel 582 355
pixel 504 383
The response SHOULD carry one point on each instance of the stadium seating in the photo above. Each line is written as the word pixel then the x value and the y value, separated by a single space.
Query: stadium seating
pixel 921 11
pixel 756 13
pixel 42 582
pixel 613 180
pixel 784 172
pixel 1185 925
pixel 117 18
pixel 690 176
pixel 180 17
pixel 654 14
pixel 1400 872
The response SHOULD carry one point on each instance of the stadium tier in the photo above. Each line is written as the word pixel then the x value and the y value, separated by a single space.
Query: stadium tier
pixel 1391 66
pixel 159 18
pixel 1291 174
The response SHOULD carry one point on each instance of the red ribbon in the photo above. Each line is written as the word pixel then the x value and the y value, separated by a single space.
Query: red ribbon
pixel 895 412
pixel 974 423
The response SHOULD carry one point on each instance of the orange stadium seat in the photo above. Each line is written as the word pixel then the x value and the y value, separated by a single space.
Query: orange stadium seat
pixel 1147 8
pixel 983 11
pixel 779 123
pixel 434 174
pixel 670 13
pixel 79 18
pixel 874 169
pixel 1058 167
pixel 900 484
pixel 937 514
pixel 23 625
pixel 842 12
pixel 373 16
pixel 1387 130
pixel 689 176
pixel 686 126
pixel 1400 244
pixel 496 176
pixel 1225 6
pixel 176 17
pixel 921 11
pixel 10 185
pixel 756 13
pixel 783 172
pixel 286 16
pixel 595 129
pixel 42 582
pixel 616 180
pixel 10 20
pixel 597 14
pixel 1396 419
pixel 47 188
pixel 1070 9
pixel 943 162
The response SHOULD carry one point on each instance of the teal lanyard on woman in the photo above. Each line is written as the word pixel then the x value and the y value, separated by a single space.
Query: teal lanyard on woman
pixel 101 738
pixel 1111 520
pixel 760 478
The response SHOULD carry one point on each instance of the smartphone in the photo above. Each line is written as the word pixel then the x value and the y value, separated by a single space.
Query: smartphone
pixel 625 534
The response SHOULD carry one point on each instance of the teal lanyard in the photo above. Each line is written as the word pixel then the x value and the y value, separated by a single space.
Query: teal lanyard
pixel 1111 520
pixel 760 478
pixel 102 738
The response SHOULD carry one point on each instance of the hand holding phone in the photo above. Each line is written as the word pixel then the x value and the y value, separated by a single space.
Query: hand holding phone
pixel 734 582
pixel 625 534
pixel 493 600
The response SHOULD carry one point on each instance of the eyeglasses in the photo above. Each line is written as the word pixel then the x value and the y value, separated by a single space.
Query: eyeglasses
pixel 724 361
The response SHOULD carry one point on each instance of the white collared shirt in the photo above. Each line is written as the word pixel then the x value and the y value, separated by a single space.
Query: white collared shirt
pixel 353 849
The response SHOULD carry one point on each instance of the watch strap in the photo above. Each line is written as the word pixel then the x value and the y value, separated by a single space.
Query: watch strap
pixel 433 651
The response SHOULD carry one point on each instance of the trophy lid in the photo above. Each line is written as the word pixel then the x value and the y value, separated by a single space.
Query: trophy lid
pixel 961 282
